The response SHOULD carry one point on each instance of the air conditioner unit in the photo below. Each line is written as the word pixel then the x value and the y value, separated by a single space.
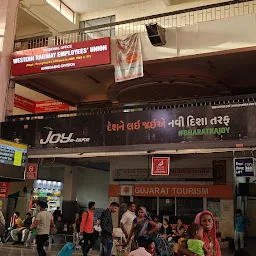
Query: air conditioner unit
pixel 174 2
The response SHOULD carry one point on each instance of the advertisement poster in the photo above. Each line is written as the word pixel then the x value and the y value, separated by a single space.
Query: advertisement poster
pixel 67 56
pixel 129 63
pixel 214 207
pixel 175 125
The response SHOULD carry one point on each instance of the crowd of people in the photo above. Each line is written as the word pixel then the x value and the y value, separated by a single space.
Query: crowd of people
pixel 143 235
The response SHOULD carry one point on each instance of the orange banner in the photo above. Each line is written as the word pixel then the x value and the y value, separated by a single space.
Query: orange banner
pixel 211 191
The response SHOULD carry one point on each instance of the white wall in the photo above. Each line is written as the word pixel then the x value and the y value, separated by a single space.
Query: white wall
pixel 142 9
pixel 92 185
pixel 31 30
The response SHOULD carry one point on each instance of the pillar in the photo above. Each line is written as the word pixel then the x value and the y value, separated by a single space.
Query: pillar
pixel 8 20
pixel 70 184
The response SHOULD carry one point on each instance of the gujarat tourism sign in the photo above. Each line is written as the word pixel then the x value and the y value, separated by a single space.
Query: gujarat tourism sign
pixel 218 191
pixel 67 56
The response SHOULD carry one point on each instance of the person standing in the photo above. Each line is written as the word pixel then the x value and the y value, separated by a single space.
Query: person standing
pixel 107 234
pixel 44 224
pixel 86 228
pixel 56 214
pixel 32 234
pixel 127 219
pixel 241 224
pixel 142 226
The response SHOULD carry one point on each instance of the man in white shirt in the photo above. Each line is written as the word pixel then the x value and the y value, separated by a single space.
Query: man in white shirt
pixel 127 219
pixel 43 223
pixel 143 243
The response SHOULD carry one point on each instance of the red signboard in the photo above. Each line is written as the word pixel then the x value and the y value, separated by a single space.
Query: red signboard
pixel 160 166
pixel 67 56
pixel 50 106
pixel 31 171
pixel 23 103
pixel 4 188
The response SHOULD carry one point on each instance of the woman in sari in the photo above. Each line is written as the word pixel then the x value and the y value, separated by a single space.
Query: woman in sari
pixel 206 220
pixel 142 226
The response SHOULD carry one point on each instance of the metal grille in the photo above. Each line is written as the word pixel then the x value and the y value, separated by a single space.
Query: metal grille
pixel 122 29
pixel 246 99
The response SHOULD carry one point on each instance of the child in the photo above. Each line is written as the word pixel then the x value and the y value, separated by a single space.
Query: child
pixel 150 247
pixel 195 243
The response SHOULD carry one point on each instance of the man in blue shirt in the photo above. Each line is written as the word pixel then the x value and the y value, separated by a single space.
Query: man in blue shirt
pixel 241 224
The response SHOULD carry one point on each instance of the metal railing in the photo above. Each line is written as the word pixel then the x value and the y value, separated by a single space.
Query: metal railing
pixel 241 99
pixel 122 29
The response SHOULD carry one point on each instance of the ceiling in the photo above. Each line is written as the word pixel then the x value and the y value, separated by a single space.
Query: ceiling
pixel 27 25
pixel 209 75
pixel 82 6
pixel 30 94
pixel 24 19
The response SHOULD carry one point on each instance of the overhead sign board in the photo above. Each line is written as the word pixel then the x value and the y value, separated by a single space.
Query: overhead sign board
pixel 24 103
pixel 244 167
pixel 160 166
pixel 162 126
pixel 61 57
pixel 50 106
pixel 192 190
pixel 191 174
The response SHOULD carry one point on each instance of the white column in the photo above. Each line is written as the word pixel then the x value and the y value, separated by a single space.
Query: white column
pixel 8 19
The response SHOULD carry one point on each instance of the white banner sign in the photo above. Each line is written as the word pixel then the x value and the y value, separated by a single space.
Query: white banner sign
pixel 129 63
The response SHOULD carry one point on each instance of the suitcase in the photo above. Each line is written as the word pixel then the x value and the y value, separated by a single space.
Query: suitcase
pixel 66 250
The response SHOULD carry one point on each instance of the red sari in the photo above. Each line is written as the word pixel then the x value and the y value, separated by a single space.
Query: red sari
pixel 210 239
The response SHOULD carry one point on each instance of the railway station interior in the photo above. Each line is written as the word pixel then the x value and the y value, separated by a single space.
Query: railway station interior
pixel 144 101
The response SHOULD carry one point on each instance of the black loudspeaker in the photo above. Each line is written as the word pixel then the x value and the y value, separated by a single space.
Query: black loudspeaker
pixel 156 34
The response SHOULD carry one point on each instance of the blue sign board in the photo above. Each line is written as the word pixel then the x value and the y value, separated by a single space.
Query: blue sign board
pixel 244 167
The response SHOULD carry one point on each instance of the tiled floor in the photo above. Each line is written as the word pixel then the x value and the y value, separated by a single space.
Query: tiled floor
pixel 19 251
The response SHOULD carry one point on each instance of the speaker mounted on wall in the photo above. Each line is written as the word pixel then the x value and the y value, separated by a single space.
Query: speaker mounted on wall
pixel 156 34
